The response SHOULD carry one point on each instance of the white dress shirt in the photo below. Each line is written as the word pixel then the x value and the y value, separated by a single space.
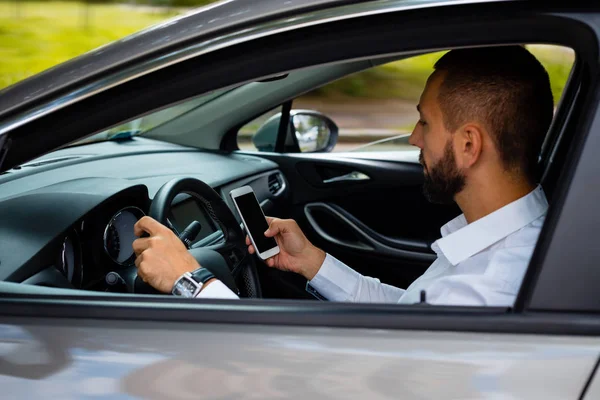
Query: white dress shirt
pixel 478 264
pixel 217 290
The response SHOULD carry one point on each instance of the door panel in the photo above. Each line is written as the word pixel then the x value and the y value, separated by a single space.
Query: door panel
pixel 42 358
pixel 370 214
pixel 338 227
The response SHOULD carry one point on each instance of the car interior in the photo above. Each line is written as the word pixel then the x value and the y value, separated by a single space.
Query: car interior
pixel 68 215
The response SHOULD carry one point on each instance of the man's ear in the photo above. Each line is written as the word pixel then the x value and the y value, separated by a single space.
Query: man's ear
pixel 469 143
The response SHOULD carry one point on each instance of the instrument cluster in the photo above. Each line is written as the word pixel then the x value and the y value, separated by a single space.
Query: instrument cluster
pixel 102 241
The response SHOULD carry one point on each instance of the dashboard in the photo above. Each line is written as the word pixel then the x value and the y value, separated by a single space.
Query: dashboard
pixel 186 209
pixel 100 241
pixel 63 226
pixel 103 238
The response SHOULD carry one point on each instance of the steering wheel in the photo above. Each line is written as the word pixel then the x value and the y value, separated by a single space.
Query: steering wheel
pixel 228 261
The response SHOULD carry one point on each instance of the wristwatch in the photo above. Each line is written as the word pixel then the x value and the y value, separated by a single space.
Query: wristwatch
pixel 191 283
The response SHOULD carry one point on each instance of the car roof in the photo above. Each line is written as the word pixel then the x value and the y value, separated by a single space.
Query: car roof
pixel 200 24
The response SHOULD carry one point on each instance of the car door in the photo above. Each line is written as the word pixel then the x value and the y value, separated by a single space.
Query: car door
pixel 66 344
pixel 106 357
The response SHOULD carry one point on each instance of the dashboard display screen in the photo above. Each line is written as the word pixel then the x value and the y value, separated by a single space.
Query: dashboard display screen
pixel 187 211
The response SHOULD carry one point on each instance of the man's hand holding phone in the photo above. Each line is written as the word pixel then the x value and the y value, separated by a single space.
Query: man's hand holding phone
pixel 296 253
pixel 279 242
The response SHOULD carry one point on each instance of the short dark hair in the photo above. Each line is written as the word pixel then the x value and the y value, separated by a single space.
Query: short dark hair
pixel 506 89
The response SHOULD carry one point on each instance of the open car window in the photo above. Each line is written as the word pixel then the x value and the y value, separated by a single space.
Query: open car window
pixel 366 118
pixel 375 109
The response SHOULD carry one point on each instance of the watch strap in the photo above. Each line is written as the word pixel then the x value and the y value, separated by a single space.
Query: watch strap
pixel 202 275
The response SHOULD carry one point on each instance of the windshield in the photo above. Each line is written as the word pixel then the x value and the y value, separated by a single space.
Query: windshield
pixel 144 124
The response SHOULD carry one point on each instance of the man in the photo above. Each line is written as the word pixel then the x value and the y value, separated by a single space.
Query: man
pixel 484 114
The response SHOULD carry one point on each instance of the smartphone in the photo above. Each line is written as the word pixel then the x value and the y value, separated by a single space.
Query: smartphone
pixel 254 221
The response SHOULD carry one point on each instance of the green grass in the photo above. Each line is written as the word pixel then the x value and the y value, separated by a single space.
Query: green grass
pixel 558 61
pixel 37 35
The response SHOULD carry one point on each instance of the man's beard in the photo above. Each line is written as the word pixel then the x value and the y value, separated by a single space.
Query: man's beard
pixel 443 181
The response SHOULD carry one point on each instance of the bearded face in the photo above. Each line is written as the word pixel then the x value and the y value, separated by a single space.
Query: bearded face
pixel 443 180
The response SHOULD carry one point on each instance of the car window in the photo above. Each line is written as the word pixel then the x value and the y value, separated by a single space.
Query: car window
pixel 394 143
pixel 247 132
pixel 375 110
pixel 142 125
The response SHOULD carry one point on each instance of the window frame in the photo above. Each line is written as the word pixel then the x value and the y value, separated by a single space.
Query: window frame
pixel 550 285
pixel 479 319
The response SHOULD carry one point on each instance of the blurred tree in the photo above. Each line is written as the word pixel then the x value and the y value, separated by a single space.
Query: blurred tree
pixel 17 9
pixel 87 11
pixel 167 4
pixel 192 3
pixel 88 8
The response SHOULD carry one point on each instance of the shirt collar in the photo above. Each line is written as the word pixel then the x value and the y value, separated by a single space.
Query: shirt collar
pixel 461 240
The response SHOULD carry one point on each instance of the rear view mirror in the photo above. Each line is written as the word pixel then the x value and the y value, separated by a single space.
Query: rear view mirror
pixel 308 132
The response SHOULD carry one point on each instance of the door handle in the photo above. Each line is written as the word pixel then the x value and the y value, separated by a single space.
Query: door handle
pixel 351 176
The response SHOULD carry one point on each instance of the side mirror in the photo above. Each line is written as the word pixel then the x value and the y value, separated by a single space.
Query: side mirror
pixel 308 132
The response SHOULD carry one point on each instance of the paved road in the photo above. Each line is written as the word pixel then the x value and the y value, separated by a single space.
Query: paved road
pixel 359 114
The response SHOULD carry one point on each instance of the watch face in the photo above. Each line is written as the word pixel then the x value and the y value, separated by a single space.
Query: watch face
pixel 186 287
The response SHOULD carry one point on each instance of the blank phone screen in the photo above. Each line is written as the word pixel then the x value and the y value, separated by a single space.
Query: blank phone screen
pixel 255 221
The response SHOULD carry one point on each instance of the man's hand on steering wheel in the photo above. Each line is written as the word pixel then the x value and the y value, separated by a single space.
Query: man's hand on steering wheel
pixel 161 258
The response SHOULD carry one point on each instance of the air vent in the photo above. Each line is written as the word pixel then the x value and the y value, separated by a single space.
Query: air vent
pixel 275 183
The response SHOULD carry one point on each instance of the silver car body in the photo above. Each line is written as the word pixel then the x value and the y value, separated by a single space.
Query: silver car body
pixel 112 359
